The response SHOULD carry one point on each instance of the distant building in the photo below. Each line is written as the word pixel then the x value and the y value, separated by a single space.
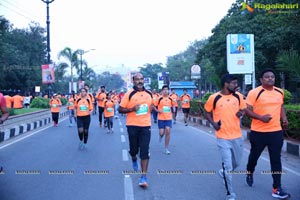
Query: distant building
pixel 180 85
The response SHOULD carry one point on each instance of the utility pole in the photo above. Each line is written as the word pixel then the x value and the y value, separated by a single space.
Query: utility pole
pixel 48 40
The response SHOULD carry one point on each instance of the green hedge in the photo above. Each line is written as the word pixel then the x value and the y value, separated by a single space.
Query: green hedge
pixel 40 102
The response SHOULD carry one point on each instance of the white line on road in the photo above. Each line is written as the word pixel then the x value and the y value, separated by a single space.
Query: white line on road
pixel 121 130
pixel 123 138
pixel 128 188
pixel 246 150
pixel 125 155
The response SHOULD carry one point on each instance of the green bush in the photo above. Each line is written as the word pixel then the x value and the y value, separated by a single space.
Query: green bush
pixel 40 102
pixel 293 129
pixel 206 96
pixel 195 107
pixel 288 97
pixel 64 101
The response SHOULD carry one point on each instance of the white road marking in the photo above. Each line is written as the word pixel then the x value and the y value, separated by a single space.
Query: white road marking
pixel 128 188
pixel 125 155
pixel 123 138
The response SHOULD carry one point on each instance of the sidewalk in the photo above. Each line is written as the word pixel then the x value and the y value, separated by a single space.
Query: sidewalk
pixel 20 124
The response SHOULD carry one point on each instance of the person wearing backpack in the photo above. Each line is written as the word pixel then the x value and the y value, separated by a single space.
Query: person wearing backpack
pixel 223 111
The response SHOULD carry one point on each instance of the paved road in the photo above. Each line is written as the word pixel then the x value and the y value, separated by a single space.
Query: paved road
pixel 47 164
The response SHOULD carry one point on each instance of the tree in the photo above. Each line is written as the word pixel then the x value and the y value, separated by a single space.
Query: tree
pixel 72 61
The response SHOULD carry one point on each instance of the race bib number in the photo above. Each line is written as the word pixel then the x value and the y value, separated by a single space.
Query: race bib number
pixel 166 109
pixel 54 105
pixel 109 109
pixel 186 101
pixel 142 110
pixel 83 108
pixel 71 104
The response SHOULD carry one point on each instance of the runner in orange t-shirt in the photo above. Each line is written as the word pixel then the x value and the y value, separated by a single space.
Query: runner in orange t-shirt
pixel 83 108
pixel 55 105
pixel 71 107
pixel 9 100
pixel 101 97
pixel 109 110
pixel 265 107
pixel 164 108
pixel 17 101
pixel 223 111
pixel 137 103
pixel 185 100
pixel 155 97
pixel 175 99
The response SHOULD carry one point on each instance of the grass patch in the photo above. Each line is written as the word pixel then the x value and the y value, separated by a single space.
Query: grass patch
pixel 23 111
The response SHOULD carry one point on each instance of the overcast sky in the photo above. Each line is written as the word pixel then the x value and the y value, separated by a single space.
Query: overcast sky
pixel 123 32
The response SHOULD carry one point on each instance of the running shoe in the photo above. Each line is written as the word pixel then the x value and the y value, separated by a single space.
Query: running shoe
pixel 135 165
pixel 80 146
pixel 280 193
pixel 231 196
pixel 167 152
pixel 249 180
pixel 143 182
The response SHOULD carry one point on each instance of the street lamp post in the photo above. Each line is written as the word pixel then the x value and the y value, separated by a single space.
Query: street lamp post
pixel 48 39
pixel 81 52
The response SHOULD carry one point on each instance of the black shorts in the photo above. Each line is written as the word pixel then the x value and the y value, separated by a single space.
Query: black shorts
pixel 139 140
pixel 83 122
pixel 186 110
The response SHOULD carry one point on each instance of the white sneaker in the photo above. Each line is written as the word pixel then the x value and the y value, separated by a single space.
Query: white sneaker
pixel 108 131
pixel 167 152
pixel 112 130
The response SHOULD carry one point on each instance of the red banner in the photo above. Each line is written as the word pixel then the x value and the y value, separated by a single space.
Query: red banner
pixel 48 74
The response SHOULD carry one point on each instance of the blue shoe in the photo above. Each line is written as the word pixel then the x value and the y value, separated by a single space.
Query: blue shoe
pixel 143 182
pixel 135 165
pixel 80 146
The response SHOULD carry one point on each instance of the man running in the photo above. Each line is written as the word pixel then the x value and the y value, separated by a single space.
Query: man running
pixel 175 99
pixel 224 109
pixel 164 106
pixel 100 97
pixel 185 100
pixel 137 104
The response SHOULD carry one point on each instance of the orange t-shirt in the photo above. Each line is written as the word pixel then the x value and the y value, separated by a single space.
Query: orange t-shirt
pixel 266 102
pixel 141 117
pixel 102 97
pixel 55 105
pixel 165 105
pixel 18 101
pixel 8 100
pixel 155 97
pixel 109 110
pixel 71 103
pixel 185 101
pixel 83 106
pixel 175 99
pixel 226 108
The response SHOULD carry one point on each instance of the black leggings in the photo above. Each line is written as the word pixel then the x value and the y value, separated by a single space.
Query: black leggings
pixel 101 110
pixel 274 142
pixel 55 116
pixel 83 123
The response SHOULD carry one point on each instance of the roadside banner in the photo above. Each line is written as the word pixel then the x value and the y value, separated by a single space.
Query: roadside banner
pixel 48 74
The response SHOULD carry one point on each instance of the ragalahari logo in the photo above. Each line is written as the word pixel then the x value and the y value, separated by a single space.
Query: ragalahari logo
pixel 271 8
pixel 245 7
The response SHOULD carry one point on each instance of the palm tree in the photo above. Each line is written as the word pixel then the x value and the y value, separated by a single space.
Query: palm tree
pixel 289 62
pixel 72 58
